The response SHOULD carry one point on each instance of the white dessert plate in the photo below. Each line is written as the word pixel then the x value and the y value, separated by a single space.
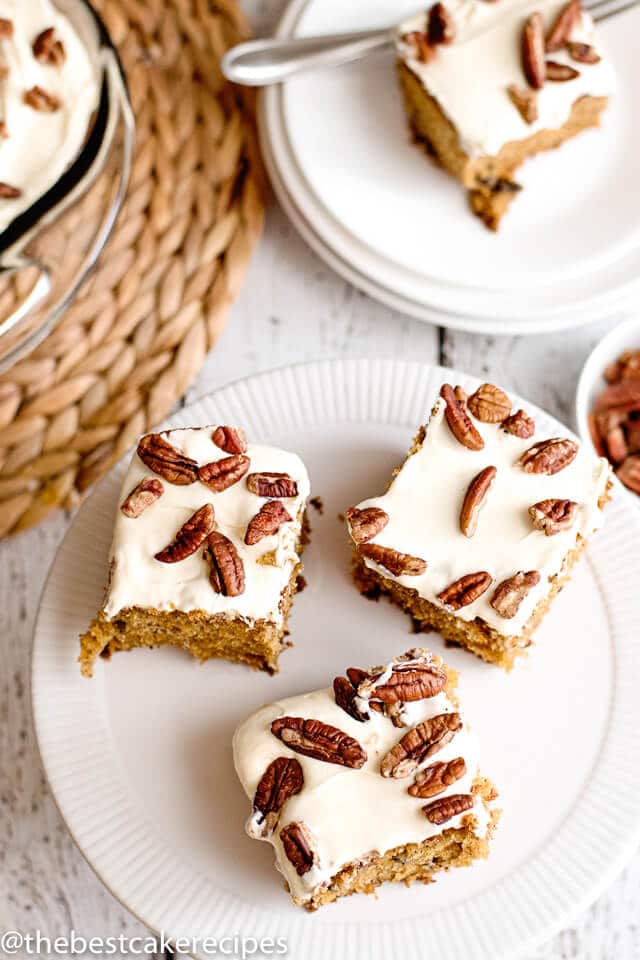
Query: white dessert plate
pixel 338 150
pixel 139 759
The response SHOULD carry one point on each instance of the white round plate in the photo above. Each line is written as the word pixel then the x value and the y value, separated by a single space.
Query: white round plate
pixel 139 758
pixel 338 150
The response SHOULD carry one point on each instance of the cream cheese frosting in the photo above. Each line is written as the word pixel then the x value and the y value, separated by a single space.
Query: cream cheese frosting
pixel 40 146
pixel 424 501
pixel 351 813
pixel 469 77
pixel 137 579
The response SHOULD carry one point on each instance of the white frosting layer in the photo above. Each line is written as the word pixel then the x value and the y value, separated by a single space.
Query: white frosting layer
pixel 41 146
pixel 424 501
pixel 351 813
pixel 139 580
pixel 469 77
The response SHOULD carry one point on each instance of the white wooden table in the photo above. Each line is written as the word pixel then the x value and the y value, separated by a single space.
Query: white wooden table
pixel 292 309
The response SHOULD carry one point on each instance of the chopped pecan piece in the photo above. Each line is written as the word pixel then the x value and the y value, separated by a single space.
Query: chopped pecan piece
pixel 226 569
pixel 553 516
pixel 560 72
pixel 533 51
pixel 525 100
pixel 466 590
pixel 489 404
pixel 437 777
pixel 221 474
pixel 511 592
pixel 549 456
pixel 6 28
pixel 399 564
pixel 266 522
pixel 474 500
pixel 141 497
pixel 440 25
pixel 367 523
pixel 519 424
pixel 319 740
pixel 445 808
pixel 39 99
pixel 230 439
pixel 282 779
pixel 190 536
pixel 299 846
pixel 629 473
pixel 563 26
pixel 7 192
pixel 419 743
pixel 161 457
pixel 272 485
pixel 419 44
pixel 345 693
pixel 48 48
pixel 583 53
pixel 459 421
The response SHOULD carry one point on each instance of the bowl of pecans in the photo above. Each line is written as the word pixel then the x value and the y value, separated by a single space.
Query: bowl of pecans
pixel 608 401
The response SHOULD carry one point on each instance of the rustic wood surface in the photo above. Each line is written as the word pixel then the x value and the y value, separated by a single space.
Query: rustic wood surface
pixel 292 308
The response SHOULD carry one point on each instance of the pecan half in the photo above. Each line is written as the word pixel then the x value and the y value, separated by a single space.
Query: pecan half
pixel 563 26
pixel 583 53
pixel 489 404
pixel 525 100
pixel 560 72
pixel 299 845
pixel 282 779
pixel 141 497
pixel 272 485
pixel 466 590
pixel 440 25
pixel 629 473
pixel 459 420
pixel 419 45
pixel 436 778
pixel 267 521
pixel 474 500
pixel 366 524
pixel 419 743
pixel 6 28
pixel 49 49
pixel 549 456
pixel 190 536
pixel 226 569
pixel 511 592
pixel 399 564
pixel 161 457
pixel 7 192
pixel 41 100
pixel 533 51
pixel 319 740
pixel 519 424
pixel 345 693
pixel 230 439
pixel 221 474
pixel 616 444
pixel 623 394
pixel 410 682
pixel 445 808
pixel 553 516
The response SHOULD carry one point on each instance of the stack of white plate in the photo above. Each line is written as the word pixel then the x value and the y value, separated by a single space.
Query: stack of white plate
pixel 381 214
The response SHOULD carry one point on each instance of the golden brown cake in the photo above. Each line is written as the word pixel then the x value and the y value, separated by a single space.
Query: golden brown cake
pixel 481 525
pixel 206 549
pixel 486 85
pixel 371 781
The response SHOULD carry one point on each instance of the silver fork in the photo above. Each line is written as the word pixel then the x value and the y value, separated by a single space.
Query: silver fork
pixel 259 63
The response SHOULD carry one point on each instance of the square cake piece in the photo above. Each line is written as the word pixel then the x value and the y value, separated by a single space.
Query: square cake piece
pixel 481 525
pixel 373 780
pixel 486 85
pixel 206 549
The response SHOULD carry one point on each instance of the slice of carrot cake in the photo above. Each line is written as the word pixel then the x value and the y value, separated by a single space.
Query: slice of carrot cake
pixel 481 525
pixel 206 549
pixel 486 85
pixel 373 780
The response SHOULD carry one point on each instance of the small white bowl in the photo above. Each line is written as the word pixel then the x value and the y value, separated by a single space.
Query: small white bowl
pixel 626 336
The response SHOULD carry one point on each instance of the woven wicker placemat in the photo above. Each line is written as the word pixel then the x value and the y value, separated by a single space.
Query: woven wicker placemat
pixel 141 327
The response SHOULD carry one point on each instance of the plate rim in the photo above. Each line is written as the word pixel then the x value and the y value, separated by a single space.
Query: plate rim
pixel 343 370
